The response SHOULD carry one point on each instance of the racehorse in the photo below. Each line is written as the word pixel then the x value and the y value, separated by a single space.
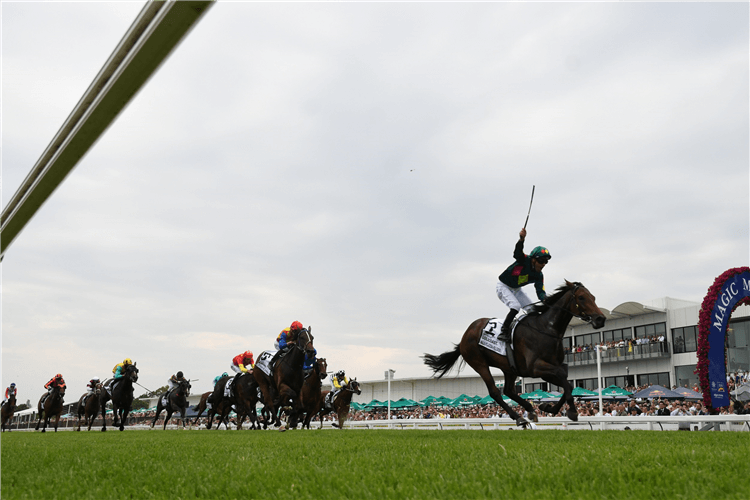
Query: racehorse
pixel 243 396
pixel 203 405
pixel 88 407
pixel 9 407
pixel 311 396
pixel 287 377
pixel 51 406
pixel 537 349
pixel 341 403
pixel 176 400
pixel 122 397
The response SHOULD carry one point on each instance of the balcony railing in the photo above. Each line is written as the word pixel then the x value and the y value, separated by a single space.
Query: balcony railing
pixel 615 354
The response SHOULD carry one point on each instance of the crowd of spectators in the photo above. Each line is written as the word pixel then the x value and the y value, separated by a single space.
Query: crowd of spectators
pixel 616 344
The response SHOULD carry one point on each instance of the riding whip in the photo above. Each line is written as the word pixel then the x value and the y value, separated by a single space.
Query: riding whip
pixel 532 201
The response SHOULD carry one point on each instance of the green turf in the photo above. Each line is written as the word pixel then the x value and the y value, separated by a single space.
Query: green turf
pixel 376 464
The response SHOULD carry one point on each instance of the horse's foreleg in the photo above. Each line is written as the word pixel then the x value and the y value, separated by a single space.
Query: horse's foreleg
pixel 558 375
pixel 169 415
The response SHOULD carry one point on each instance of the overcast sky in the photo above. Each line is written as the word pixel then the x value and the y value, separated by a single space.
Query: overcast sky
pixel 364 168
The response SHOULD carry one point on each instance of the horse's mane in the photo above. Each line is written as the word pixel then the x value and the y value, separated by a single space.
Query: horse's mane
pixel 542 307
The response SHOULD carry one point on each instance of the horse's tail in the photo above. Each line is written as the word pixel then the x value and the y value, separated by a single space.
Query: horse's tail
pixel 442 364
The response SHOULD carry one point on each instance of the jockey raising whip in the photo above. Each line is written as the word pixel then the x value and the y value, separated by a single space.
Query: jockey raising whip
pixel 525 269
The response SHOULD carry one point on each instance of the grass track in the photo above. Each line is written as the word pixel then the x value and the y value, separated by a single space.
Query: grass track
pixel 376 464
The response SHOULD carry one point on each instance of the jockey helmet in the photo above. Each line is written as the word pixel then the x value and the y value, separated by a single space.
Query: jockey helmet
pixel 248 354
pixel 296 326
pixel 13 384
pixel 58 376
pixel 95 379
pixel 225 374
pixel 127 361
pixel 541 254
pixel 340 374
pixel 179 374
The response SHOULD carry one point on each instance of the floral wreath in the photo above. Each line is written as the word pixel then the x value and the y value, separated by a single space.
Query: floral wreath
pixel 704 325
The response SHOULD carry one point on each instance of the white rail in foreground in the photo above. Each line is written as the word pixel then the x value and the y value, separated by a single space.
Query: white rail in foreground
pixel 737 423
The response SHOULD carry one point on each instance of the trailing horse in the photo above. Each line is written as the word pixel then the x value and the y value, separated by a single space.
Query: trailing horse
pixel 176 400
pixel 311 395
pixel 341 403
pixel 88 408
pixel 209 408
pixel 122 398
pixel 51 406
pixel 9 407
pixel 537 349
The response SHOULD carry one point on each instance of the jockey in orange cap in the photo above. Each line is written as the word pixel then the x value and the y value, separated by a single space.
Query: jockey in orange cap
pixel 283 338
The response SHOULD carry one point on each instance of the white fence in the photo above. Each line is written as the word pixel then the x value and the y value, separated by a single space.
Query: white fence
pixel 737 423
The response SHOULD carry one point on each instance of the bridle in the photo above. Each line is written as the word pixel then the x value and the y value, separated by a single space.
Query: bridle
pixel 579 313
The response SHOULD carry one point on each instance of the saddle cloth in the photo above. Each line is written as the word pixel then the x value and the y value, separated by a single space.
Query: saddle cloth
pixel 492 330
pixel 228 388
pixel 264 362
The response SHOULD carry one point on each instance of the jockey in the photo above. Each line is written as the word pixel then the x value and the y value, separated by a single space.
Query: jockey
pixel 526 269
pixel 243 363
pixel 338 382
pixel 219 377
pixel 309 363
pixel 174 380
pixel 9 391
pixel 56 381
pixel 119 369
pixel 91 386
pixel 283 338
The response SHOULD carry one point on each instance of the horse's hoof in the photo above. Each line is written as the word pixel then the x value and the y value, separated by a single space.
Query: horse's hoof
pixel 534 418
pixel 521 422
pixel 573 416
pixel 282 428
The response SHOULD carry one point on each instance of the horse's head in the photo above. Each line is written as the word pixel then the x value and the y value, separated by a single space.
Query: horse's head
pixel 583 305
pixel 185 386
pixel 322 368
pixel 131 372
pixel 354 386
pixel 305 341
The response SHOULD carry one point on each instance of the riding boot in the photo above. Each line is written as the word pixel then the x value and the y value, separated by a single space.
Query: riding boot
pixel 505 330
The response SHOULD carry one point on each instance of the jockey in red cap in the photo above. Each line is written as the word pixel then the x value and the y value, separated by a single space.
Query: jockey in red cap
pixel 283 338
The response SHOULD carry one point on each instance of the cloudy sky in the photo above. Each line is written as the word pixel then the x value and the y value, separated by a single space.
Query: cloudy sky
pixel 364 168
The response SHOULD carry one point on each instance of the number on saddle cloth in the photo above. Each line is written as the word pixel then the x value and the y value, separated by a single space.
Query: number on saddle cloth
pixel 228 388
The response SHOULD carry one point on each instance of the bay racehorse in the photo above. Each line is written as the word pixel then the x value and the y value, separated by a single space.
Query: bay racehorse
pixel 341 403
pixel 286 379
pixel 122 397
pixel 51 405
pixel 88 407
pixel 242 396
pixel 210 409
pixel 537 349
pixel 9 407
pixel 173 401
pixel 311 394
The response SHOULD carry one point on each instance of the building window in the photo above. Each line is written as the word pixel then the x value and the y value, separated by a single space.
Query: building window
pixel 684 376
pixel 614 335
pixel 541 386
pixel 685 339
pixel 656 330
pixel 588 339
pixel 567 343
pixel 661 379
pixel 587 383
pixel 620 381
pixel 738 346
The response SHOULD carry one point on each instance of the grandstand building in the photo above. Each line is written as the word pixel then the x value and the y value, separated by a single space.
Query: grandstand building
pixel 653 343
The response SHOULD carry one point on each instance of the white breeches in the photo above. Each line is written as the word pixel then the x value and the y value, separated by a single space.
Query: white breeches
pixel 514 298
pixel 236 369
